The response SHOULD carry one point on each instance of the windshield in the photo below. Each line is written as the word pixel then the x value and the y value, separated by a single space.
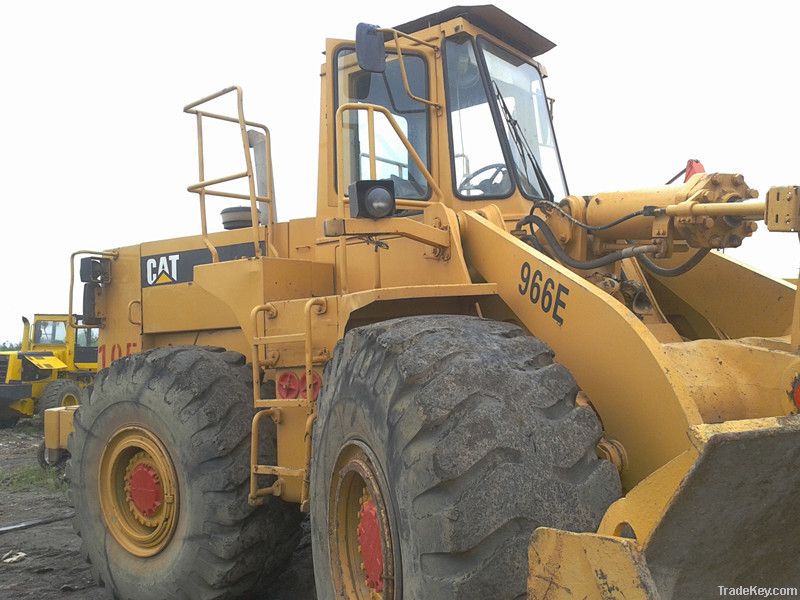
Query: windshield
pixel 522 106
pixel 50 332
pixel 479 168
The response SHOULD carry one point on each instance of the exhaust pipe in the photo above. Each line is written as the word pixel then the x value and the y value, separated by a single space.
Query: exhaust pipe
pixel 26 335
pixel 258 142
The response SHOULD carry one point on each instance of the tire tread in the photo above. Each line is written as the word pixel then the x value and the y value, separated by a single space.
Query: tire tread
pixel 237 540
pixel 484 441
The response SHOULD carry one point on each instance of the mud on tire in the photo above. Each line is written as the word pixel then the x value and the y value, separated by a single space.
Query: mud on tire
pixel 198 402
pixel 479 440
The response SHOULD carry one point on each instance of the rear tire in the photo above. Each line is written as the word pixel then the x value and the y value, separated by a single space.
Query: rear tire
pixel 183 414
pixel 470 439
pixel 61 392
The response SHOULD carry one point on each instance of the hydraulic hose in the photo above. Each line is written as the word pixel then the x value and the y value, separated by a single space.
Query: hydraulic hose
pixel 680 269
pixel 591 228
pixel 544 205
pixel 563 257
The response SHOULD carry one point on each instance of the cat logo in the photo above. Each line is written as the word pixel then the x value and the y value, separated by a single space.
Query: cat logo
pixel 168 269
pixel 162 269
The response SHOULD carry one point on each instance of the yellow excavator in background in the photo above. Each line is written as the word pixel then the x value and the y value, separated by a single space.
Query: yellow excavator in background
pixel 51 368
pixel 477 383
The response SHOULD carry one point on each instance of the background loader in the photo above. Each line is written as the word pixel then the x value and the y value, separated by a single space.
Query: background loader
pixel 53 365
pixel 476 383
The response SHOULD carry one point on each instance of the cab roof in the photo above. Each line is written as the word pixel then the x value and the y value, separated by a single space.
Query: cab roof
pixel 492 20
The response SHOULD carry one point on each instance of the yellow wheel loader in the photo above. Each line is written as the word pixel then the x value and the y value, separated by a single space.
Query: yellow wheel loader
pixel 53 365
pixel 478 384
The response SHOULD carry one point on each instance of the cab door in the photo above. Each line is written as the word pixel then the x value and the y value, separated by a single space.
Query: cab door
pixel 345 83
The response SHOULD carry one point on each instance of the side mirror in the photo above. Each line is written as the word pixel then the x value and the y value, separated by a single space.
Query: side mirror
pixel 95 270
pixel 370 51
pixel 90 304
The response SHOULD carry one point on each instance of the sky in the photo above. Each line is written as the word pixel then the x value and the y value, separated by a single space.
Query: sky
pixel 95 151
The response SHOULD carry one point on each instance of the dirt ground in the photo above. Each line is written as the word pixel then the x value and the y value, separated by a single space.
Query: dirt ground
pixel 52 567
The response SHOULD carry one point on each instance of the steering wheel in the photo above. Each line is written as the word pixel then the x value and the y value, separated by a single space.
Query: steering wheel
pixel 484 186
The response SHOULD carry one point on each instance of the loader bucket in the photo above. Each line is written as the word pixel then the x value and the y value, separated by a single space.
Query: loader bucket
pixel 733 522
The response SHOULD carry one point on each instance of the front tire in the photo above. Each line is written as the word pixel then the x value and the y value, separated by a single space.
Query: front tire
pixel 441 443
pixel 61 392
pixel 159 472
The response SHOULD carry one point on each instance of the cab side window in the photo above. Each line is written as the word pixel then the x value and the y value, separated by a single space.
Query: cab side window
pixel 87 338
pixel 86 345
pixel 387 90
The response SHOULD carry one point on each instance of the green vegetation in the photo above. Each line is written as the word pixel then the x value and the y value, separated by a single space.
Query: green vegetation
pixel 32 426
pixel 32 478
pixel 9 346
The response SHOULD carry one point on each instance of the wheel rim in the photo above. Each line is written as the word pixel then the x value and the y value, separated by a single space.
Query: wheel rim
pixel 138 491
pixel 362 553
pixel 69 400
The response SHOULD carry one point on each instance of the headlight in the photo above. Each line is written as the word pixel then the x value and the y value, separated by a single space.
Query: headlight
pixel 373 199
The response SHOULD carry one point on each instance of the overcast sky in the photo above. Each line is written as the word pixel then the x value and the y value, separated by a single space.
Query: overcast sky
pixel 96 153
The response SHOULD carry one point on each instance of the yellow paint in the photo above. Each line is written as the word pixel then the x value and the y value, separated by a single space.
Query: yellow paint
pixel 643 507
pixel 564 566
pixel 46 362
pixel 716 350
pixel 56 360
pixel 599 340
pixel 58 426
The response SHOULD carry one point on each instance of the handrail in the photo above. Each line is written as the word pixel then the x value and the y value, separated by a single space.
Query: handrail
pixel 395 163
pixel 341 199
pixel 371 108
pixel 397 35
pixel 314 306
pixel 321 306
pixel 201 187
pixel 201 184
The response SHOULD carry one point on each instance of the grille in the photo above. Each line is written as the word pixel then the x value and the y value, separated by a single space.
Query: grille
pixel 3 367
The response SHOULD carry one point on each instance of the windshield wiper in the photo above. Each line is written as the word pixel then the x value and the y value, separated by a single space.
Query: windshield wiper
pixel 523 147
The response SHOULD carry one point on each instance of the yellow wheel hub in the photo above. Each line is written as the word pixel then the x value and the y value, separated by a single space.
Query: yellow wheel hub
pixel 362 553
pixel 69 400
pixel 138 491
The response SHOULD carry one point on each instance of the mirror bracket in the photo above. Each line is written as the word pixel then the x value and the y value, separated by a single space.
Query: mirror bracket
pixel 371 54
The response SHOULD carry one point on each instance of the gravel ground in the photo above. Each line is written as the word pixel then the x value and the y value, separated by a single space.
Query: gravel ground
pixel 51 567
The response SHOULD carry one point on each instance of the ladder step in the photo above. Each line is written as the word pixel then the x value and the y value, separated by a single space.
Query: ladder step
pixel 277 403
pixel 279 471
pixel 286 338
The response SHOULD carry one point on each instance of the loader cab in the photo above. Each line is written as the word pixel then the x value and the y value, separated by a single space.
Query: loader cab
pixel 463 88
pixel 76 347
